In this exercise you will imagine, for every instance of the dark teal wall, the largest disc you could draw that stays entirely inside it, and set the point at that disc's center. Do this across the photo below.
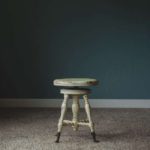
(108, 40)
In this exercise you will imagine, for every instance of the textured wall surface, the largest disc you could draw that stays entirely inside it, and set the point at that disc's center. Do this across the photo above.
(43, 40)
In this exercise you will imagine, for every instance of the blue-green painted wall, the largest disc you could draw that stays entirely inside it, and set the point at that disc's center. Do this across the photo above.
(105, 39)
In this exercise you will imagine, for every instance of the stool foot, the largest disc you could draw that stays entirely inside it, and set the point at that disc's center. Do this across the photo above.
(58, 137)
(94, 137)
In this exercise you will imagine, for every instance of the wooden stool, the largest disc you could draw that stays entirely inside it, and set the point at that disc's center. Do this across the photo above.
(74, 90)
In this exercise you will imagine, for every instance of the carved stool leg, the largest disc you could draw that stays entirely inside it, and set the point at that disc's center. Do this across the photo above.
(63, 111)
(88, 112)
(75, 111)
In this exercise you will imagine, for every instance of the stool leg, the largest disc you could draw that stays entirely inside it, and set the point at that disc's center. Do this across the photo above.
(75, 111)
(63, 111)
(88, 112)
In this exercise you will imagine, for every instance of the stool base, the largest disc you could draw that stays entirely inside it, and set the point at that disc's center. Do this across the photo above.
(75, 123)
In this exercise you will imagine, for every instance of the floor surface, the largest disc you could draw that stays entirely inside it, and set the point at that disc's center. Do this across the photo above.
(35, 129)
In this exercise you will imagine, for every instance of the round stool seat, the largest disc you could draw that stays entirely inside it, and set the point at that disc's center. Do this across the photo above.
(75, 82)
(75, 91)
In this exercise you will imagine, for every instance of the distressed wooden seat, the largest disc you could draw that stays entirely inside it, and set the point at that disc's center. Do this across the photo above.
(74, 89)
(75, 82)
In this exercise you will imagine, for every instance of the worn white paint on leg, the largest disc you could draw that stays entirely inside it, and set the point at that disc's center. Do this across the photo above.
(63, 111)
(88, 112)
(75, 111)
